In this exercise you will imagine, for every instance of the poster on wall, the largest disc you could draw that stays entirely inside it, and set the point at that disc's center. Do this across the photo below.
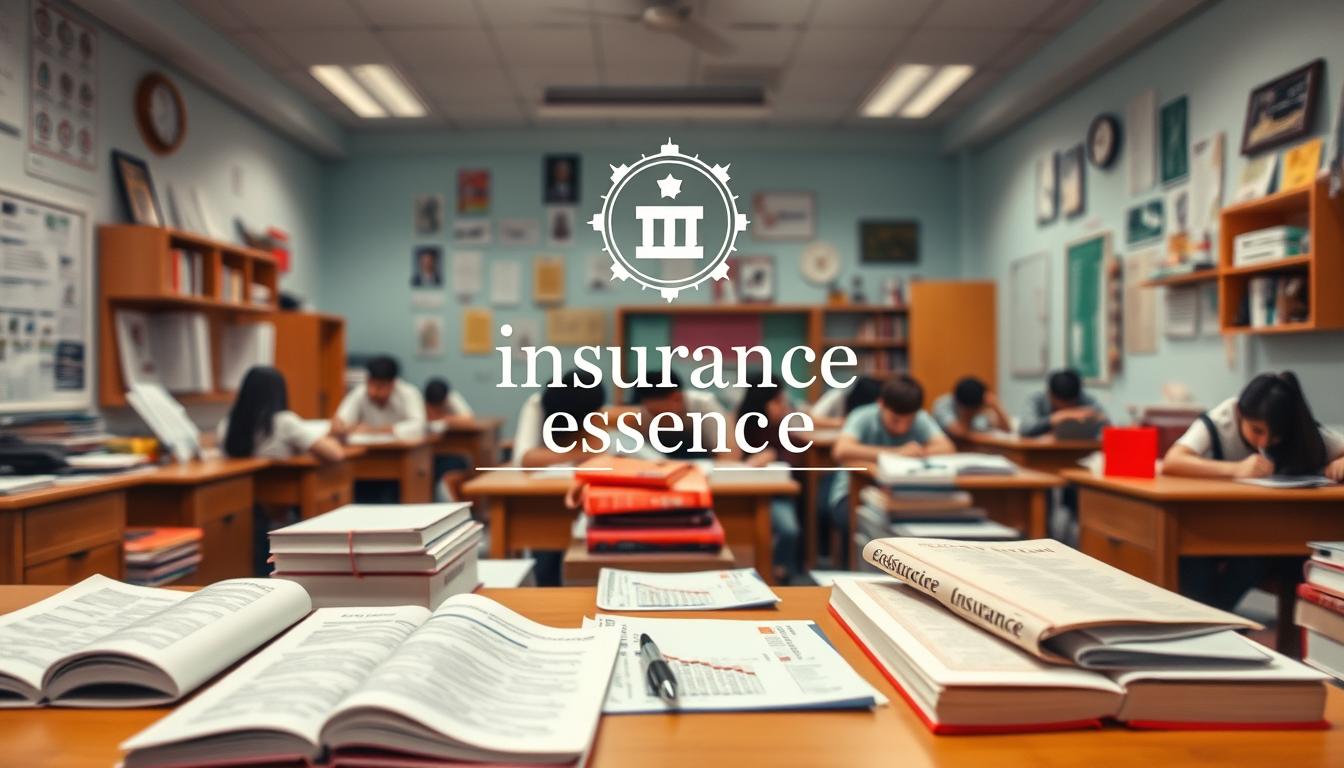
(560, 179)
(1140, 315)
(560, 225)
(1140, 125)
(1175, 140)
(1206, 194)
(1029, 323)
(428, 336)
(1087, 295)
(783, 215)
(62, 98)
(473, 191)
(427, 267)
(12, 38)
(428, 215)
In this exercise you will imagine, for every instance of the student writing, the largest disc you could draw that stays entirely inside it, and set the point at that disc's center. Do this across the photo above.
(763, 407)
(1063, 400)
(261, 424)
(383, 403)
(969, 407)
(680, 402)
(529, 449)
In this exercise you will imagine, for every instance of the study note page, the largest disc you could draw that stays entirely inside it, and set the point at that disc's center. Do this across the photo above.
(619, 590)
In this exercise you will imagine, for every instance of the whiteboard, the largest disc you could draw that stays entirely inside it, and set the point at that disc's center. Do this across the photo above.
(1029, 315)
(46, 306)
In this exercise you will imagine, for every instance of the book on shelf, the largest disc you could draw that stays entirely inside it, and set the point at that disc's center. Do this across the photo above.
(397, 686)
(188, 272)
(102, 643)
(10, 485)
(167, 419)
(1063, 606)
(1272, 300)
(960, 679)
(168, 348)
(241, 347)
(1269, 244)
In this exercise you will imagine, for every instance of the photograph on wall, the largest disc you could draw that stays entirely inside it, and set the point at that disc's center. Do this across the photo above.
(1047, 187)
(428, 215)
(468, 275)
(1145, 222)
(428, 336)
(560, 179)
(471, 231)
(1282, 109)
(783, 215)
(137, 190)
(520, 233)
(427, 266)
(889, 242)
(1301, 164)
(1257, 177)
(1337, 164)
(473, 190)
(1088, 333)
(755, 279)
(573, 327)
(599, 272)
(1175, 138)
(560, 225)
(1071, 182)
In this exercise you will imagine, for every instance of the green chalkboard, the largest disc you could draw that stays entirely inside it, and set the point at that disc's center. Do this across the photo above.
(1085, 333)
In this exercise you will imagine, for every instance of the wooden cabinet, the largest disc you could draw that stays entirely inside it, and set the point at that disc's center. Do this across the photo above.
(221, 508)
(66, 541)
(953, 333)
(310, 351)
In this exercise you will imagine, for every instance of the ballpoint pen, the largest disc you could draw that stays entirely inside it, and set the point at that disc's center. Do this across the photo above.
(657, 671)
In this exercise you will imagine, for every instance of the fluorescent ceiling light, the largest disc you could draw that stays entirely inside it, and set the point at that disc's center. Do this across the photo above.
(943, 84)
(388, 87)
(893, 92)
(343, 86)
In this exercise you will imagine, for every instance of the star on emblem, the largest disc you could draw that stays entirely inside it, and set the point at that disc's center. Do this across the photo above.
(669, 187)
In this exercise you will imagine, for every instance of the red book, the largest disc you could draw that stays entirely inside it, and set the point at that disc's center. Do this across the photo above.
(705, 539)
(1327, 600)
(138, 540)
(689, 491)
(630, 473)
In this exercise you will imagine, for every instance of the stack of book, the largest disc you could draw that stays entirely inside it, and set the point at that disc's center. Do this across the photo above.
(637, 506)
(158, 556)
(986, 637)
(188, 275)
(380, 554)
(1277, 299)
(925, 513)
(71, 432)
(1320, 608)
(1268, 245)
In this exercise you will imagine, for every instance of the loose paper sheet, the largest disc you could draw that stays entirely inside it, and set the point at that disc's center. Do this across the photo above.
(619, 590)
(1182, 312)
(548, 280)
(506, 277)
(1140, 316)
(1141, 124)
(477, 331)
(574, 327)
(467, 273)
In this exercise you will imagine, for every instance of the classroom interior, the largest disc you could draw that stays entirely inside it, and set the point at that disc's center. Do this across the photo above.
(1089, 238)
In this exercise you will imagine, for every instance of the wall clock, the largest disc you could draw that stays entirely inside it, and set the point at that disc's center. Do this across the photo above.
(820, 263)
(160, 114)
(1103, 140)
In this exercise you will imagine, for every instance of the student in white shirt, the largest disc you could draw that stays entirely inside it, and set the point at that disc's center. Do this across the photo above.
(680, 402)
(529, 450)
(446, 408)
(384, 403)
(835, 404)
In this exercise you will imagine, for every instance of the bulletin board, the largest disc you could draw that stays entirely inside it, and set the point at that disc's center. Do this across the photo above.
(1029, 322)
(46, 307)
(1087, 330)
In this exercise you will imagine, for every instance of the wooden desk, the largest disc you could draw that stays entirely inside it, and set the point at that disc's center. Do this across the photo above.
(65, 532)
(528, 511)
(215, 496)
(581, 567)
(479, 442)
(308, 483)
(408, 462)
(75, 738)
(1043, 454)
(1018, 500)
(1145, 526)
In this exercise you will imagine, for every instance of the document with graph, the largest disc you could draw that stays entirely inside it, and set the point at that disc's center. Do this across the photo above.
(619, 590)
(734, 666)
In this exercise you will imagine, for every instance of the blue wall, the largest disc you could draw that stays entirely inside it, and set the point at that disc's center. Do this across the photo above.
(1215, 58)
(368, 236)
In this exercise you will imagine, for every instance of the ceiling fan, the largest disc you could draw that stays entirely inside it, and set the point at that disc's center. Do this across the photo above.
(673, 17)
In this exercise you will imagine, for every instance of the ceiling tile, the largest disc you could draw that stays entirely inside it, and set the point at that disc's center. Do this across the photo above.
(756, 47)
(331, 46)
(989, 14)
(419, 13)
(870, 14)
(217, 14)
(547, 46)
(269, 54)
(955, 46)
(1063, 14)
(624, 44)
(815, 109)
(297, 14)
(780, 12)
(533, 81)
(830, 47)
(652, 72)
(834, 83)
(447, 48)
(523, 13)
(485, 84)
(1020, 49)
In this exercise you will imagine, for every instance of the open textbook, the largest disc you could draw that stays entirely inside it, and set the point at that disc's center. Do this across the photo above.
(619, 590)
(722, 665)
(961, 679)
(893, 468)
(102, 643)
(1061, 605)
(472, 681)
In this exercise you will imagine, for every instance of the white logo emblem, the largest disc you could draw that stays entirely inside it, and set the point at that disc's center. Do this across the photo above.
(671, 231)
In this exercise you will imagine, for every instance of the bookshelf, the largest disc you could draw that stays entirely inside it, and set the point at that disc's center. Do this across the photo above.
(878, 334)
(310, 351)
(155, 269)
(1322, 268)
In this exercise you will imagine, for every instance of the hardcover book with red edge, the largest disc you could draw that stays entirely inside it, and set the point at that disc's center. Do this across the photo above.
(1322, 597)
(630, 473)
(689, 491)
(706, 539)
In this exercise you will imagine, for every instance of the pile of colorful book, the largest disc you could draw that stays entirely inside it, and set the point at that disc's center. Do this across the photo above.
(158, 556)
(1320, 608)
(380, 554)
(639, 506)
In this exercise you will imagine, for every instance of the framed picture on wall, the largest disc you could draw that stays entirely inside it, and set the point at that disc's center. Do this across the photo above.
(1072, 190)
(1047, 187)
(889, 242)
(783, 215)
(1282, 109)
(137, 190)
(560, 179)
(473, 190)
(755, 279)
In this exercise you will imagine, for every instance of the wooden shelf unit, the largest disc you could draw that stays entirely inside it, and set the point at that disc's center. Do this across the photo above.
(1310, 206)
(1194, 278)
(135, 271)
(310, 351)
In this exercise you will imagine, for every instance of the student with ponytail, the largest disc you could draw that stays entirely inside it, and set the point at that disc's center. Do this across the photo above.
(1267, 430)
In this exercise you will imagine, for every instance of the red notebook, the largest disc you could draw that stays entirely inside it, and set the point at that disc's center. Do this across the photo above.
(706, 539)
(630, 473)
(689, 491)
(154, 539)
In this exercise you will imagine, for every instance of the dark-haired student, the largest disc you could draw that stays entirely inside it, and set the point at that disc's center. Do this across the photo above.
(763, 407)
(970, 407)
(575, 399)
(261, 424)
(445, 408)
(1267, 429)
(383, 403)
(679, 401)
(1062, 400)
(830, 410)
(898, 423)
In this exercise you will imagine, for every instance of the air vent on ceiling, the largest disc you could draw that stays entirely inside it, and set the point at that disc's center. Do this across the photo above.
(654, 102)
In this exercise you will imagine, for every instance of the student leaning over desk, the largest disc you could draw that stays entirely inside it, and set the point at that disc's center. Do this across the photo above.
(383, 403)
(765, 406)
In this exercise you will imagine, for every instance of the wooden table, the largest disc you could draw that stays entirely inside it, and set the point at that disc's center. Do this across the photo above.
(478, 441)
(408, 462)
(1145, 526)
(308, 483)
(814, 459)
(215, 496)
(886, 736)
(65, 532)
(527, 511)
(581, 567)
(1019, 500)
(1044, 453)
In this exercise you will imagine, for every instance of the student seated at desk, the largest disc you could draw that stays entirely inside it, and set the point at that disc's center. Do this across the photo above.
(261, 424)
(446, 408)
(765, 406)
(1268, 429)
(834, 405)
(970, 407)
(529, 448)
(680, 401)
(383, 403)
(897, 422)
(1064, 400)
